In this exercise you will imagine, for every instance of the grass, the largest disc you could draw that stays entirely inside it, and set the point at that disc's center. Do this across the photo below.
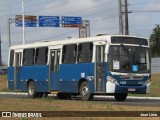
(155, 87)
(51, 104)
(23, 104)
(3, 83)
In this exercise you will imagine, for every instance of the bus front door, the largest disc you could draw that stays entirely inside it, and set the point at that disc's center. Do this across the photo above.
(17, 69)
(54, 70)
(99, 68)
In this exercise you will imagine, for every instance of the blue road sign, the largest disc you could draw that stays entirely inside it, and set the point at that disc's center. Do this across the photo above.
(71, 20)
(30, 21)
(49, 21)
(27, 24)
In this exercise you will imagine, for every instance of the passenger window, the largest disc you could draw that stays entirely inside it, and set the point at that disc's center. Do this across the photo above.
(69, 53)
(41, 56)
(28, 57)
(85, 51)
(11, 58)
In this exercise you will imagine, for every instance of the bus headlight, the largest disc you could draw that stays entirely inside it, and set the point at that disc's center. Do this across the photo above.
(112, 80)
(146, 82)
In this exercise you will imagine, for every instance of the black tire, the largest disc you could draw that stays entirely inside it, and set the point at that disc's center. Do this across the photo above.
(85, 92)
(31, 90)
(120, 96)
(63, 96)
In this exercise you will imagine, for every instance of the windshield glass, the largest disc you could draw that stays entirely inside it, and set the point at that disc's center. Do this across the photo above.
(129, 59)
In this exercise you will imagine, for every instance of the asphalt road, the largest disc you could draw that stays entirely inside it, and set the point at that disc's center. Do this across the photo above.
(131, 101)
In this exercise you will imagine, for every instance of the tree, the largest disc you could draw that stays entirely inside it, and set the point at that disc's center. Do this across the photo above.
(155, 41)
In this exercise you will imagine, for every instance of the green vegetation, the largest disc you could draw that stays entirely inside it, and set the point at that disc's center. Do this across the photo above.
(53, 104)
(3, 83)
(23, 104)
(155, 42)
(155, 87)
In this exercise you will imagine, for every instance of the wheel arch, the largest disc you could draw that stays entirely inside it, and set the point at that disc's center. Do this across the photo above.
(29, 81)
(80, 82)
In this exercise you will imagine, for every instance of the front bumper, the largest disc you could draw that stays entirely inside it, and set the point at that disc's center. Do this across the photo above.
(112, 88)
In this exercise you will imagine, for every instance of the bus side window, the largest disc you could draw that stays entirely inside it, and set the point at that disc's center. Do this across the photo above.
(28, 57)
(41, 56)
(85, 51)
(11, 58)
(69, 53)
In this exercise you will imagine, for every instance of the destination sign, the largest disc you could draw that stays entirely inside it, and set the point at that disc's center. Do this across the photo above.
(70, 21)
(49, 21)
(30, 21)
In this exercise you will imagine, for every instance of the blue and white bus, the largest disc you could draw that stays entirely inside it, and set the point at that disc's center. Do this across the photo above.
(102, 65)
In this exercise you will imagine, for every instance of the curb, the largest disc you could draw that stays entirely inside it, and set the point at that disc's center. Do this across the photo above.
(13, 93)
(132, 97)
(99, 96)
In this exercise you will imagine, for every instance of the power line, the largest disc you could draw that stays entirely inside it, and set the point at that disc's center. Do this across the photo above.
(91, 7)
(146, 11)
(80, 9)
(145, 3)
(19, 8)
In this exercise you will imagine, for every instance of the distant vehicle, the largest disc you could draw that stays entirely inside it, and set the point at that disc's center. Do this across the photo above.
(101, 65)
(3, 71)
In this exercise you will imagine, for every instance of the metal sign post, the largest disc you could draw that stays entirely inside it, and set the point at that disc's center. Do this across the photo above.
(84, 29)
(82, 32)
(23, 21)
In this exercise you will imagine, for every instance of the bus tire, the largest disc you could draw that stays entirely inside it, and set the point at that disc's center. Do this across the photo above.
(31, 90)
(120, 96)
(85, 92)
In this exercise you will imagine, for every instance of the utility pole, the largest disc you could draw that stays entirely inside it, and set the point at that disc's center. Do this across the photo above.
(120, 17)
(126, 18)
(123, 15)
(10, 21)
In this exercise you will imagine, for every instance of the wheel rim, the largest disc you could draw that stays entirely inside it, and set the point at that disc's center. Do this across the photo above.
(31, 90)
(84, 91)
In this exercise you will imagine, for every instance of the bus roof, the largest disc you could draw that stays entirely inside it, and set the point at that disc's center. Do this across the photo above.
(67, 41)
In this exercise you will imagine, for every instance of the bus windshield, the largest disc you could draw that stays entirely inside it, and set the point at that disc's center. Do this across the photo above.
(129, 59)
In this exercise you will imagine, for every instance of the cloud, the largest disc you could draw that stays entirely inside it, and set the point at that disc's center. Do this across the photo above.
(138, 19)
(152, 7)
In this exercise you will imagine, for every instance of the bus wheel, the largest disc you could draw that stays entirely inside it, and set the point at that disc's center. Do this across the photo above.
(120, 96)
(85, 92)
(31, 90)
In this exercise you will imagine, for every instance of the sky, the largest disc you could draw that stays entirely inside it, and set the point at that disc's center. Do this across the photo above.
(102, 14)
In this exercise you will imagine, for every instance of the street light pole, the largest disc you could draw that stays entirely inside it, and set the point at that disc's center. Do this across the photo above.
(10, 20)
(9, 32)
(23, 19)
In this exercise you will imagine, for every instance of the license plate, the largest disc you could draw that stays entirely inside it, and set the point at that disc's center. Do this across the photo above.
(131, 89)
